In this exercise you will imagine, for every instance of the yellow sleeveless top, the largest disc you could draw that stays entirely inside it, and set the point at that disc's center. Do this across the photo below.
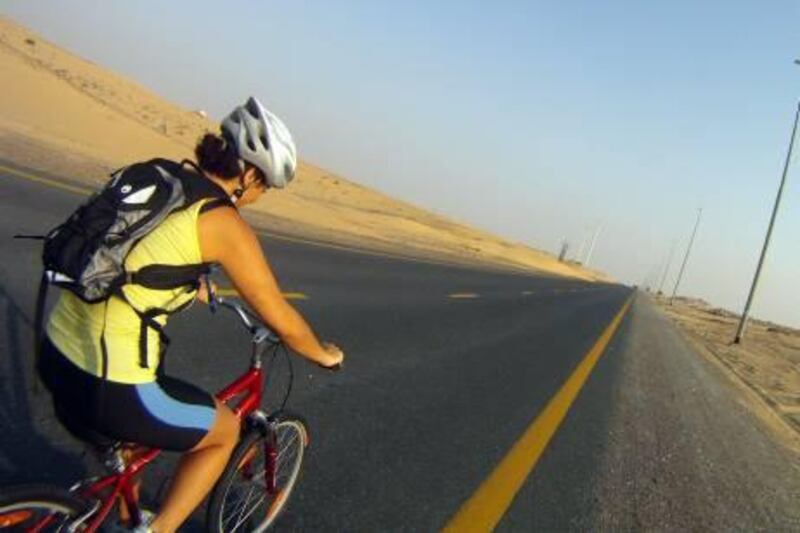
(79, 329)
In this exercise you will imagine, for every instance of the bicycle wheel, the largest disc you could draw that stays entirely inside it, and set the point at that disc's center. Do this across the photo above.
(241, 500)
(39, 508)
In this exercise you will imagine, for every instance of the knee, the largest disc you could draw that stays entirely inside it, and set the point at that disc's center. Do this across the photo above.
(225, 431)
(229, 426)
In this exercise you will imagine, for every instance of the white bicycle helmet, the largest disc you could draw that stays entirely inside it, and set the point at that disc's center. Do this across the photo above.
(263, 140)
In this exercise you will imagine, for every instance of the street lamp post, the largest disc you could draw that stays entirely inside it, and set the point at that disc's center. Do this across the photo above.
(591, 247)
(666, 268)
(743, 320)
(686, 257)
(579, 256)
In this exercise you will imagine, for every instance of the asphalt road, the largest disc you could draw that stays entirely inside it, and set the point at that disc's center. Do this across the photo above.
(436, 390)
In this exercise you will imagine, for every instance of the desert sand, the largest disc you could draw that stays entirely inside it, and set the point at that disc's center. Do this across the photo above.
(67, 116)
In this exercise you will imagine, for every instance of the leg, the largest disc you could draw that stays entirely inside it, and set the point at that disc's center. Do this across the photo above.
(136, 485)
(198, 470)
(124, 511)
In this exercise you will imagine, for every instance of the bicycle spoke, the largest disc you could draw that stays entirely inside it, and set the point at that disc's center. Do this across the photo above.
(291, 439)
(284, 464)
(257, 479)
(282, 437)
(248, 504)
(242, 509)
(288, 458)
(290, 434)
(227, 518)
(284, 448)
(252, 510)
(240, 505)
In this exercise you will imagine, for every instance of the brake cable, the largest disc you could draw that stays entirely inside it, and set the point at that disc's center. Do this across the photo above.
(271, 366)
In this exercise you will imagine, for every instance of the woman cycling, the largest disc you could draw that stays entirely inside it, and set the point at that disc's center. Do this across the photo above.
(91, 356)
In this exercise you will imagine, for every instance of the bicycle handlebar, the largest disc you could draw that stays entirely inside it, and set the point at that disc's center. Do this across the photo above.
(251, 322)
(255, 326)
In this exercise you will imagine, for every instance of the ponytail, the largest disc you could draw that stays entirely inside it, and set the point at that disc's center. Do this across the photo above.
(217, 156)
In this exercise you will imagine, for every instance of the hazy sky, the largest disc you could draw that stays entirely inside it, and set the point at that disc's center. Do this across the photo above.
(539, 121)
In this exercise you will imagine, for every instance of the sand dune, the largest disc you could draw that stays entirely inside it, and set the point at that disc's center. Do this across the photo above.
(62, 114)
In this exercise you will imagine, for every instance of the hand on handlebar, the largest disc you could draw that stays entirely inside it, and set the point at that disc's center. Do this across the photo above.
(335, 357)
(203, 293)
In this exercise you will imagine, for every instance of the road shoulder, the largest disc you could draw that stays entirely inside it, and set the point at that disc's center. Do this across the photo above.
(683, 450)
(753, 379)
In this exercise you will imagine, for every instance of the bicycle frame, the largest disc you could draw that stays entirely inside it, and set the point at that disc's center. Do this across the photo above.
(243, 396)
(248, 389)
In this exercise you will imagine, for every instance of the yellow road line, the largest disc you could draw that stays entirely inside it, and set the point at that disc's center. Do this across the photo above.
(46, 181)
(288, 295)
(295, 296)
(484, 509)
(463, 295)
(228, 292)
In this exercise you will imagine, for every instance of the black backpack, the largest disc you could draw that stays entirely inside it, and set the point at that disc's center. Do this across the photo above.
(86, 254)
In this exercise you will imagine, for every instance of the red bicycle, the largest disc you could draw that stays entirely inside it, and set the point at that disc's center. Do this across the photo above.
(249, 496)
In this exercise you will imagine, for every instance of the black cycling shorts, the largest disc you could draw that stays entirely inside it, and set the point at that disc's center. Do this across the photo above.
(169, 414)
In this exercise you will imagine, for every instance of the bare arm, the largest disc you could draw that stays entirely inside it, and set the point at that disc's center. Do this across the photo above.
(228, 240)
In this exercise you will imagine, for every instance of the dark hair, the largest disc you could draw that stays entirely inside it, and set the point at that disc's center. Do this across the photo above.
(218, 156)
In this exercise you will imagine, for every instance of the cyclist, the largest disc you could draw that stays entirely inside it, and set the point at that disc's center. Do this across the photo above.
(90, 360)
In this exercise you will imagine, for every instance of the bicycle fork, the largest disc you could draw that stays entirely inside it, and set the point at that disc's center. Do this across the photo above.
(268, 427)
(271, 454)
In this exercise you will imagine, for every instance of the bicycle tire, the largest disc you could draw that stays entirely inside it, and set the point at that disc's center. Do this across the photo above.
(248, 457)
(23, 507)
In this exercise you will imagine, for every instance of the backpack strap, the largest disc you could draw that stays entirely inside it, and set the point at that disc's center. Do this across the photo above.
(196, 183)
(38, 329)
(215, 203)
(159, 277)
(165, 277)
(148, 322)
(199, 186)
